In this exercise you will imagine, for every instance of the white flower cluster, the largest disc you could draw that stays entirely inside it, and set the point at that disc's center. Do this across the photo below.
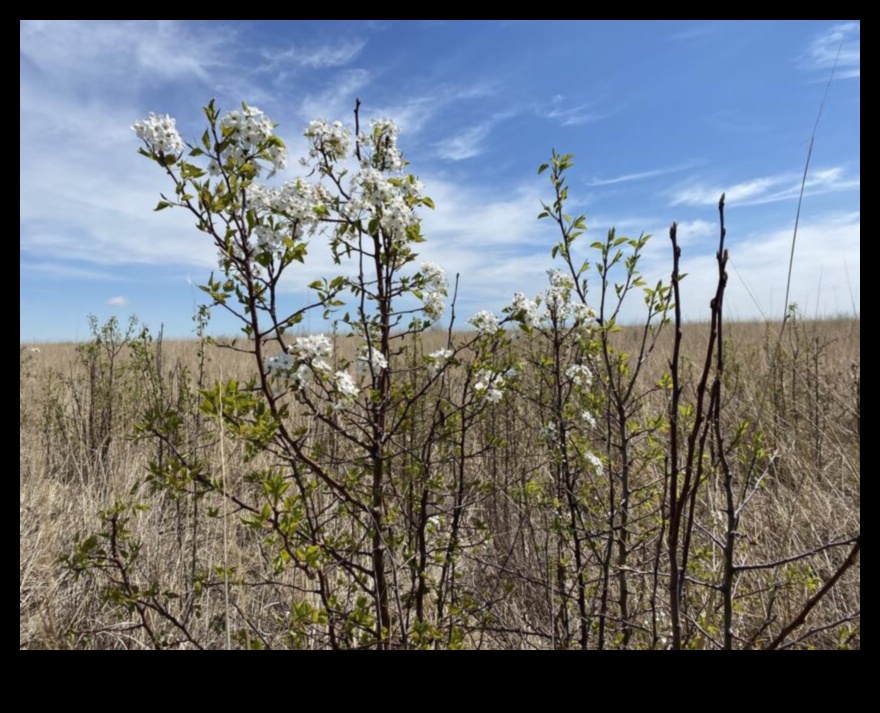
(249, 125)
(330, 140)
(371, 361)
(285, 368)
(557, 305)
(160, 134)
(440, 359)
(580, 375)
(436, 289)
(251, 129)
(314, 351)
(485, 323)
(596, 462)
(347, 389)
(524, 310)
(557, 298)
(390, 200)
(308, 356)
(584, 316)
(490, 385)
(550, 433)
(296, 206)
(379, 148)
(279, 365)
(296, 200)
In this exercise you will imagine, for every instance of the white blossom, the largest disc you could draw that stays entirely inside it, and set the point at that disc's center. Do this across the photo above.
(312, 348)
(596, 462)
(269, 239)
(550, 433)
(440, 359)
(250, 125)
(524, 310)
(434, 277)
(346, 387)
(375, 196)
(434, 305)
(557, 298)
(580, 375)
(485, 323)
(379, 148)
(330, 140)
(589, 419)
(279, 365)
(290, 211)
(490, 386)
(277, 156)
(584, 315)
(560, 280)
(284, 367)
(160, 134)
(251, 129)
(371, 361)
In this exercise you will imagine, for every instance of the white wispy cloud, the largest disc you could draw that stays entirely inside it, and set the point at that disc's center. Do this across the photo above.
(86, 198)
(466, 144)
(840, 44)
(471, 141)
(638, 176)
(338, 100)
(118, 302)
(692, 232)
(767, 189)
(560, 109)
(63, 271)
(695, 32)
(107, 50)
(416, 112)
(826, 270)
(84, 194)
(315, 56)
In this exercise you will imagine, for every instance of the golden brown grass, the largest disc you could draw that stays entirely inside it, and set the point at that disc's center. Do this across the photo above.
(804, 392)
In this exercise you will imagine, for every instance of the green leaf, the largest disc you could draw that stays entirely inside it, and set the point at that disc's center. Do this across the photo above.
(162, 206)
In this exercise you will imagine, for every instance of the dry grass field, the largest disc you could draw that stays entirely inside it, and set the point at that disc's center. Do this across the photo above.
(197, 575)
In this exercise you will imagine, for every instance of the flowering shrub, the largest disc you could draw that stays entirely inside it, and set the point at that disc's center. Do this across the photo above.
(394, 579)
(375, 476)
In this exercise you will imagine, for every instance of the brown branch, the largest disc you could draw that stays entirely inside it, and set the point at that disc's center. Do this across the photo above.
(796, 558)
(820, 595)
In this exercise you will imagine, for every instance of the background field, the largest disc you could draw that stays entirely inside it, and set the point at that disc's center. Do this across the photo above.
(78, 456)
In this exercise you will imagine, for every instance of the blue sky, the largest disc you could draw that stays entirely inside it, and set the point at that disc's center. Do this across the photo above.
(662, 116)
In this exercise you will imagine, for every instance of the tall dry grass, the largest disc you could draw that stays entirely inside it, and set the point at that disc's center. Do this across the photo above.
(78, 457)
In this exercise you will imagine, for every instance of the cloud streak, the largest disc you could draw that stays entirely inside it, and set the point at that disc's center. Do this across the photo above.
(101, 51)
(562, 111)
(839, 45)
(316, 56)
(467, 144)
(768, 189)
(639, 176)
(826, 271)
